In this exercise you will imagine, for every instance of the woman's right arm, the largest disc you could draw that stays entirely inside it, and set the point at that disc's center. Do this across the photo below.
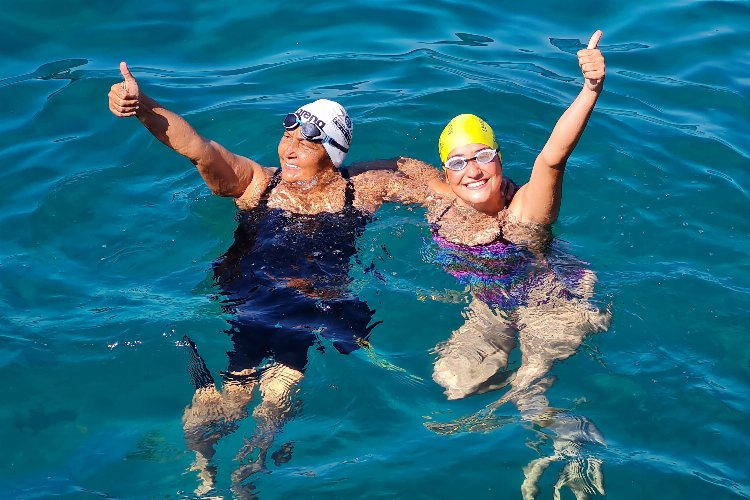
(224, 172)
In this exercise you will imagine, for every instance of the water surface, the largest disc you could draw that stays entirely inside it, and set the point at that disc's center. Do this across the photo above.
(108, 240)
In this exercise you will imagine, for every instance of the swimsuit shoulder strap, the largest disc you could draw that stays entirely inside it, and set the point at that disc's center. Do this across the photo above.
(349, 194)
(275, 179)
(445, 211)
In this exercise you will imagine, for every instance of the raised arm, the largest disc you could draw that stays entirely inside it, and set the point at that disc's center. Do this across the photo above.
(539, 200)
(225, 173)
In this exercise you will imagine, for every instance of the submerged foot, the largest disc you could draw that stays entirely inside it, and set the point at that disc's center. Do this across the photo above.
(283, 454)
(206, 475)
(241, 487)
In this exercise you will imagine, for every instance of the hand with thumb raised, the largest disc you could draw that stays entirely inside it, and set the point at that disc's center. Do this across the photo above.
(592, 64)
(124, 97)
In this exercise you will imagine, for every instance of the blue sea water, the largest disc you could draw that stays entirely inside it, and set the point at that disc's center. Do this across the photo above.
(108, 239)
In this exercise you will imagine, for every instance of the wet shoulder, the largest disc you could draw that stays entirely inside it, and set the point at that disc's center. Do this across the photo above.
(437, 206)
(252, 195)
(528, 234)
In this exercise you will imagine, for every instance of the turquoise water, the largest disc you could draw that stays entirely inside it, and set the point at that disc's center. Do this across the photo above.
(108, 240)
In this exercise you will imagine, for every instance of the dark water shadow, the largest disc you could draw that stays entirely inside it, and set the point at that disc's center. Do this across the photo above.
(49, 71)
(469, 39)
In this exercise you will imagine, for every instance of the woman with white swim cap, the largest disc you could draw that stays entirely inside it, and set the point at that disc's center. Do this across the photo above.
(287, 269)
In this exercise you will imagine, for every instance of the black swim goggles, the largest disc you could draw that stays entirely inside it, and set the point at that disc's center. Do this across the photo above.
(311, 131)
(483, 157)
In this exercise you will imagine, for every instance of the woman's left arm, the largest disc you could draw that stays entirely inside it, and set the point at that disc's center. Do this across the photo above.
(539, 200)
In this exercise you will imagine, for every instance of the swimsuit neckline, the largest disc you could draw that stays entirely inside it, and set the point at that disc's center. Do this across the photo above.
(348, 193)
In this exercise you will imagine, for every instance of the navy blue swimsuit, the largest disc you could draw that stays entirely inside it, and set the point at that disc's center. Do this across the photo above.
(285, 279)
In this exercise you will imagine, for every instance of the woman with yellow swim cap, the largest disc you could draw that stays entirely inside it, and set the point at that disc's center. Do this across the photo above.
(471, 190)
(520, 293)
(470, 211)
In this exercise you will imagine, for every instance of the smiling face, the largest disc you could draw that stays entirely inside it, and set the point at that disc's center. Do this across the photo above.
(477, 185)
(300, 159)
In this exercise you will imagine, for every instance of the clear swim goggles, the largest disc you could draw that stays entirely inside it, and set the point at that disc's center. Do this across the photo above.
(311, 131)
(483, 157)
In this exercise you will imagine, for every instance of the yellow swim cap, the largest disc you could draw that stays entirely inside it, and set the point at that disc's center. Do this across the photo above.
(465, 129)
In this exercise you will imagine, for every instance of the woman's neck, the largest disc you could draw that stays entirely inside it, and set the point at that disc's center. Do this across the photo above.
(491, 207)
(321, 182)
(325, 192)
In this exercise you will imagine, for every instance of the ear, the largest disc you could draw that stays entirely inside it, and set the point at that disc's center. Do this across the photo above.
(325, 162)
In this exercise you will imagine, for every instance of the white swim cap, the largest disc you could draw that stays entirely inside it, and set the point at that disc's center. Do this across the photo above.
(334, 121)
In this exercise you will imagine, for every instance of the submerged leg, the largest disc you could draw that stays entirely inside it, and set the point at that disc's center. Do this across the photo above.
(211, 415)
(552, 327)
(277, 387)
(472, 360)
(532, 473)
(583, 477)
(197, 414)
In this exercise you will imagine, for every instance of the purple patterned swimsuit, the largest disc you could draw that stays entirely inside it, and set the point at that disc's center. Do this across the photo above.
(502, 273)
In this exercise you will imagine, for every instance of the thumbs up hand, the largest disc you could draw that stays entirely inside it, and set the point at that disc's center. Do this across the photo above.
(592, 64)
(124, 97)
